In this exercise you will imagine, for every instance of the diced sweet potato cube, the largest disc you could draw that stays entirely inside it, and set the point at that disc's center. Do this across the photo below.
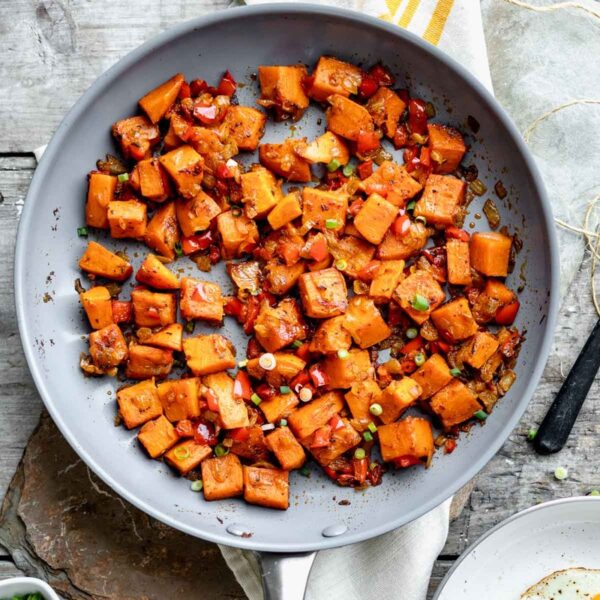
(320, 207)
(287, 366)
(147, 361)
(245, 125)
(201, 300)
(347, 118)
(222, 477)
(334, 76)
(458, 262)
(98, 306)
(395, 247)
(127, 219)
(497, 290)
(283, 160)
(136, 136)
(454, 320)
(359, 399)
(266, 487)
(162, 233)
(238, 233)
(180, 398)
(315, 414)
(187, 455)
(208, 354)
(392, 177)
(342, 439)
(279, 326)
(479, 349)
(158, 436)
(139, 403)
(169, 337)
(260, 192)
(153, 309)
(186, 168)
(286, 210)
(99, 261)
(441, 199)
(344, 372)
(374, 218)
(432, 376)
(157, 102)
(101, 191)
(355, 252)
(388, 275)
(454, 404)
(282, 89)
(386, 107)
(324, 149)
(447, 147)
(154, 183)
(419, 283)
(232, 410)
(365, 323)
(331, 336)
(490, 253)
(154, 273)
(195, 214)
(397, 397)
(286, 448)
(253, 447)
(410, 438)
(323, 293)
(108, 347)
(279, 406)
(215, 147)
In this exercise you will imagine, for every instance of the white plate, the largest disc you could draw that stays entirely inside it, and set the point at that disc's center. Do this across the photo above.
(26, 585)
(520, 551)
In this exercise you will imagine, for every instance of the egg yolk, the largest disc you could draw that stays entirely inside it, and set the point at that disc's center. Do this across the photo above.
(596, 597)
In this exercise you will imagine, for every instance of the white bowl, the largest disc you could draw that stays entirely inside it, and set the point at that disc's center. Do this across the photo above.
(26, 585)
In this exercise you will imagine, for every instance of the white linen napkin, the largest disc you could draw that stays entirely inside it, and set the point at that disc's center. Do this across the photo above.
(387, 566)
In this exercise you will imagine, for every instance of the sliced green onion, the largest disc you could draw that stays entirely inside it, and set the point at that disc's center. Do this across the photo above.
(561, 473)
(372, 427)
(341, 264)
(178, 249)
(123, 177)
(220, 450)
(359, 454)
(455, 372)
(481, 415)
(594, 493)
(331, 223)
(419, 359)
(243, 363)
(304, 472)
(421, 219)
(283, 423)
(367, 436)
(375, 409)
(189, 326)
(296, 344)
(82, 231)
(334, 165)
(181, 453)
(348, 170)
(256, 399)
(412, 333)
(531, 434)
(197, 485)
(410, 205)
(285, 389)
(343, 354)
(420, 303)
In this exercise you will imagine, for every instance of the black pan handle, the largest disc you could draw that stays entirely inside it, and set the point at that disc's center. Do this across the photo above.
(556, 426)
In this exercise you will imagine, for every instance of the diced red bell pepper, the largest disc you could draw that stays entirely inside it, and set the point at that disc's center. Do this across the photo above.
(336, 422)
(449, 446)
(411, 158)
(222, 172)
(197, 242)
(367, 273)
(401, 226)
(242, 388)
(318, 250)
(401, 137)
(136, 152)
(321, 437)
(413, 345)
(299, 381)
(254, 349)
(122, 311)
(368, 86)
(506, 315)
(241, 434)
(375, 475)
(303, 351)
(227, 86)
(318, 376)
(252, 310)
(214, 254)
(208, 115)
(211, 400)
(438, 345)
(330, 473)
(367, 142)
(270, 298)
(365, 169)
(355, 207)
(404, 462)
(457, 234)
(204, 433)
(417, 116)
(404, 95)
(395, 315)
(307, 82)
(361, 467)
(382, 75)
(184, 91)
(197, 86)
(265, 391)
(233, 307)
(425, 156)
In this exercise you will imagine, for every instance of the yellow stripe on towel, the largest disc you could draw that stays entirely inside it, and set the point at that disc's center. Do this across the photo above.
(434, 30)
(409, 13)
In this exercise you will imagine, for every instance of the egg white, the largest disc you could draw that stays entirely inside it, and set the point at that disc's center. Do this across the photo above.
(570, 584)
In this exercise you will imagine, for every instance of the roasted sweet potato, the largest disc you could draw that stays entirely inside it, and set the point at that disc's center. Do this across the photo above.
(324, 210)
(153, 309)
(490, 253)
(146, 361)
(324, 149)
(180, 398)
(347, 118)
(186, 168)
(282, 90)
(136, 136)
(364, 322)
(195, 214)
(260, 192)
(245, 125)
(410, 438)
(419, 283)
(447, 147)
(287, 366)
(127, 219)
(157, 102)
(334, 76)
(375, 217)
(479, 349)
(222, 477)
(154, 273)
(441, 200)
(187, 455)
(343, 438)
(359, 399)
(399, 395)
(315, 414)
(266, 487)
(201, 300)
(162, 233)
(279, 406)
(386, 107)
(351, 254)
(206, 354)
(101, 191)
(458, 262)
(388, 275)
(454, 404)
(139, 403)
(392, 181)
(169, 337)
(154, 183)
(286, 210)
(98, 306)
(283, 160)
(238, 233)
(331, 336)
(157, 436)
(344, 372)
(97, 260)
(454, 320)
(253, 447)
(286, 448)
(232, 410)
(281, 278)
(396, 247)
(323, 293)
(279, 326)
(108, 347)
(432, 376)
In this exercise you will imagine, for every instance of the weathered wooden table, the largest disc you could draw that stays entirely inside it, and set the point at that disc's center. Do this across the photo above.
(50, 52)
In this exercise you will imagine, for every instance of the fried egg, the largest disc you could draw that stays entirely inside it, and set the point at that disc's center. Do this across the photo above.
(570, 584)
